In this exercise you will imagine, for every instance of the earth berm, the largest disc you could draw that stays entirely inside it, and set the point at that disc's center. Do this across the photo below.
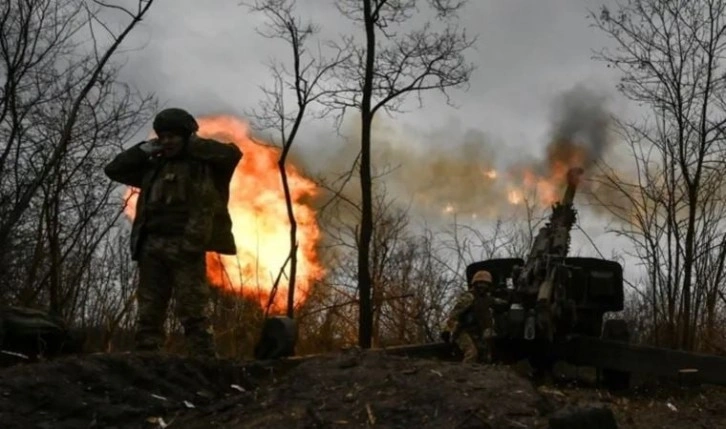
(350, 390)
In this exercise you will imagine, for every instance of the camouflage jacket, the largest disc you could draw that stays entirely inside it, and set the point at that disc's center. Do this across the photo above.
(471, 314)
(186, 195)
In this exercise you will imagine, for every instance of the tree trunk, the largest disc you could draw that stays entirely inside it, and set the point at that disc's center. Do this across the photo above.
(687, 343)
(365, 316)
(54, 280)
(293, 238)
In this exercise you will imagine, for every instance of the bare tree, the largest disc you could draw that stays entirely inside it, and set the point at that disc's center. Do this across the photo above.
(671, 58)
(108, 312)
(379, 75)
(35, 35)
(415, 271)
(304, 81)
(62, 113)
(411, 281)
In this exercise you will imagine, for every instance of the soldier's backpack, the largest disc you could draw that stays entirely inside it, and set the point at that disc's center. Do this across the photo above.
(30, 334)
(278, 338)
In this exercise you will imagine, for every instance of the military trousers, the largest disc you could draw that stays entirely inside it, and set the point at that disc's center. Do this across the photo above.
(166, 270)
(474, 348)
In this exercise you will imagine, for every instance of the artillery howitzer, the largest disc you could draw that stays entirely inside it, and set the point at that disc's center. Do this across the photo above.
(552, 307)
(547, 298)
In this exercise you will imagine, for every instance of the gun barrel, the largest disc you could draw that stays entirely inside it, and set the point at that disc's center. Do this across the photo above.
(573, 179)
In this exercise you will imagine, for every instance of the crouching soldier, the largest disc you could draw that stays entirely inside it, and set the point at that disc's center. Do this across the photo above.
(470, 324)
(181, 213)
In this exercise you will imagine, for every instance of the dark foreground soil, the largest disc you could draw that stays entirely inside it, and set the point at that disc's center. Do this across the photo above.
(352, 390)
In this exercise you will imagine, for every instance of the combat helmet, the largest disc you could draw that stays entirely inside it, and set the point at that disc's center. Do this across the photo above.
(481, 276)
(175, 120)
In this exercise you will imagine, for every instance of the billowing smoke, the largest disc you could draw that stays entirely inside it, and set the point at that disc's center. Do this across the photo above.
(580, 127)
(579, 137)
(433, 173)
(458, 173)
(451, 170)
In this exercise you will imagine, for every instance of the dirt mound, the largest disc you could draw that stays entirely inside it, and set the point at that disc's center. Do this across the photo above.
(388, 392)
(347, 391)
(654, 406)
(113, 391)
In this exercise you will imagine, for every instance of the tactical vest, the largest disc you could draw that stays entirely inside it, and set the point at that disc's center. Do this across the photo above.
(170, 196)
(478, 317)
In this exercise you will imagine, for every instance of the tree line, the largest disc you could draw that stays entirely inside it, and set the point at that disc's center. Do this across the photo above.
(64, 112)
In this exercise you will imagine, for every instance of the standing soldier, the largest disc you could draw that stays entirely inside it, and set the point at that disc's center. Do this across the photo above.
(470, 323)
(181, 213)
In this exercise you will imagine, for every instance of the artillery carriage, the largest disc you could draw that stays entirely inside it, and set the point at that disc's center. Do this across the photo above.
(549, 297)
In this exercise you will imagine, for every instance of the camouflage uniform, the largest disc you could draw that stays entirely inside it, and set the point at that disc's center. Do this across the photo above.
(181, 213)
(470, 323)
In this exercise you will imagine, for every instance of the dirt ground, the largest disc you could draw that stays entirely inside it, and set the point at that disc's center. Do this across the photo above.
(351, 390)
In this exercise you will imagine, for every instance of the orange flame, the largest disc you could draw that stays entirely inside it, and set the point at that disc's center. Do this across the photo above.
(491, 174)
(259, 221)
(548, 186)
(515, 196)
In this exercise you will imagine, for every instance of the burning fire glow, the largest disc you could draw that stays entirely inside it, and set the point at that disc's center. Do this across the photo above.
(548, 186)
(515, 196)
(259, 221)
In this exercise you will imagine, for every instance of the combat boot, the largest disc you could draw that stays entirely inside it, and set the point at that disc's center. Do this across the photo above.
(148, 342)
(196, 349)
(486, 346)
(201, 344)
(200, 339)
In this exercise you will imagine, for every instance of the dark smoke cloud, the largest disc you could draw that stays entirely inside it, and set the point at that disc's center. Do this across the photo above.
(448, 167)
(580, 136)
(581, 123)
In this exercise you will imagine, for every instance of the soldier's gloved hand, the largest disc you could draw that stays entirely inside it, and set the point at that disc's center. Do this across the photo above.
(446, 336)
(151, 147)
(499, 302)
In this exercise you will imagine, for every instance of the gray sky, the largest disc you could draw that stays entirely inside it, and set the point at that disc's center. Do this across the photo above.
(207, 57)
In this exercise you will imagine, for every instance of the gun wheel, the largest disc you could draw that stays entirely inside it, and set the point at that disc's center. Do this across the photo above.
(615, 330)
(541, 360)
